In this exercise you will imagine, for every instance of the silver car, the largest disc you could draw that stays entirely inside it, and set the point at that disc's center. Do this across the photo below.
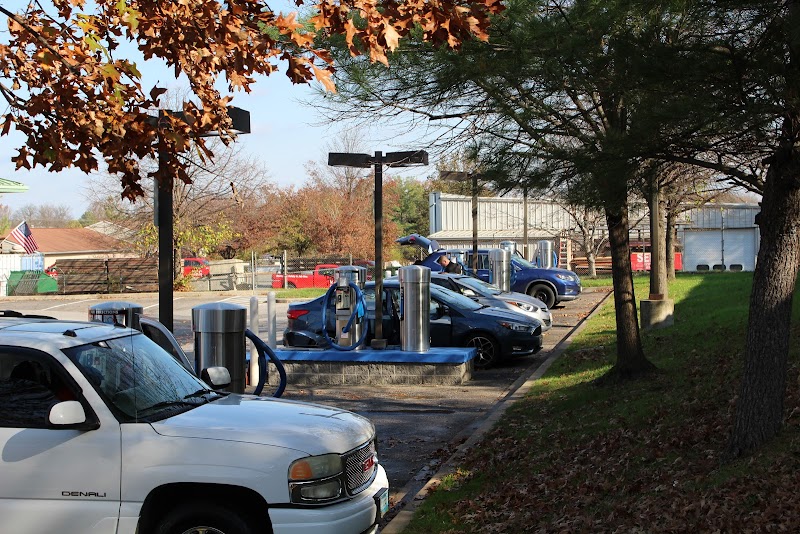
(486, 293)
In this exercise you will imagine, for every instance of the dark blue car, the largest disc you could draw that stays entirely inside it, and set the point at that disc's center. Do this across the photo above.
(551, 286)
(456, 321)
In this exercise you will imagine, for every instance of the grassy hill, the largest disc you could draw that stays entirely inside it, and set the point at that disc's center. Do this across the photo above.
(642, 457)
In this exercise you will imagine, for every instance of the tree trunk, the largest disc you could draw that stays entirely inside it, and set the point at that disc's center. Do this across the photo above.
(759, 408)
(658, 256)
(177, 267)
(631, 361)
(670, 238)
(588, 246)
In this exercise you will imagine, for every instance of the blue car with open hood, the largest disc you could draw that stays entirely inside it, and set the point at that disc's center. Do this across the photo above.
(552, 286)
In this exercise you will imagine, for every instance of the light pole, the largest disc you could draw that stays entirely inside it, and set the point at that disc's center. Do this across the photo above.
(460, 176)
(163, 212)
(390, 159)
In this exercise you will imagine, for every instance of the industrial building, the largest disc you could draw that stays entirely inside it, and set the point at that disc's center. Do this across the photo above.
(714, 236)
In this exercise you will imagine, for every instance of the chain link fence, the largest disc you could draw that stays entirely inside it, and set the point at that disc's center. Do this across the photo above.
(119, 276)
(268, 272)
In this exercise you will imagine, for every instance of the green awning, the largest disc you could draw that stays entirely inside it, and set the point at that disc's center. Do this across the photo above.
(9, 186)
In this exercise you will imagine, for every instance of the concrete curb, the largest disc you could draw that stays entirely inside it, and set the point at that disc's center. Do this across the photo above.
(516, 391)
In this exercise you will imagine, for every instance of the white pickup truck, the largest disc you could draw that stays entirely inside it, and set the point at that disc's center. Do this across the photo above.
(102, 430)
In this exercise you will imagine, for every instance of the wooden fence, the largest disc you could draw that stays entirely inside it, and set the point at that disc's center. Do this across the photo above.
(118, 275)
(580, 265)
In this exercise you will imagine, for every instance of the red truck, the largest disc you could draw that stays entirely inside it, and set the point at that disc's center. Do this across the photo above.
(321, 276)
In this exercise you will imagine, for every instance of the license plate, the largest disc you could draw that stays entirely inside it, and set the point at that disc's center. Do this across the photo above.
(382, 503)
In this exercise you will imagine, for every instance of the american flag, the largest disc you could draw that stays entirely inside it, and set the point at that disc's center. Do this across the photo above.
(22, 235)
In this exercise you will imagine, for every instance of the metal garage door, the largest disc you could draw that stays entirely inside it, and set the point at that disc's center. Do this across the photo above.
(735, 247)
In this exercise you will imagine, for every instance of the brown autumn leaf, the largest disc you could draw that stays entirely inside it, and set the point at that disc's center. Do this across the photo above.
(324, 77)
(66, 63)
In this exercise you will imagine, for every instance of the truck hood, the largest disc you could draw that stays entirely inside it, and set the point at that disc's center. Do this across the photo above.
(310, 428)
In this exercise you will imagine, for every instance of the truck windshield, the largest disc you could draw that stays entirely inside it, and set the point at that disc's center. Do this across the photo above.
(138, 379)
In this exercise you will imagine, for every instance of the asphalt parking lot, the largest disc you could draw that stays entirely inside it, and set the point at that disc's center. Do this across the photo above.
(419, 427)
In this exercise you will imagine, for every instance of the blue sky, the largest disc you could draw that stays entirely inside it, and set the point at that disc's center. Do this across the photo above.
(283, 138)
(285, 135)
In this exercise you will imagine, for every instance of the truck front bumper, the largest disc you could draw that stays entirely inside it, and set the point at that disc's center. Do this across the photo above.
(359, 514)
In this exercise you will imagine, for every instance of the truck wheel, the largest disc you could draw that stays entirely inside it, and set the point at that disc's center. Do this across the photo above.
(488, 350)
(290, 285)
(543, 293)
(205, 518)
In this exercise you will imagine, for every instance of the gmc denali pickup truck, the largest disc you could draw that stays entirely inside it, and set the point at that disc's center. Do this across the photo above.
(102, 430)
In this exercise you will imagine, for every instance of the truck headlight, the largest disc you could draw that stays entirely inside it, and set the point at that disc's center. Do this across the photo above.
(315, 467)
(316, 479)
(321, 492)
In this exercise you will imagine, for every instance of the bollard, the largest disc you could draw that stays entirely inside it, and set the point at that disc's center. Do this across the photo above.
(500, 264)
(117, 312)
(219, 339)
(545, 255)
(415, 308)
(253, 352)
(272, 320)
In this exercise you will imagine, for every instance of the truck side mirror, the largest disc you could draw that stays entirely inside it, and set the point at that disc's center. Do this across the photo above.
(216, 377)
(70, 415)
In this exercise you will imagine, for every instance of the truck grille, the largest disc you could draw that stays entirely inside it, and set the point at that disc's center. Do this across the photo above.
(360, 467)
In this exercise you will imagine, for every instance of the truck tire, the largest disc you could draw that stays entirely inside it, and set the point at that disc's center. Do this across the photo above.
(290, 285)
(544, 293)
(205, 518)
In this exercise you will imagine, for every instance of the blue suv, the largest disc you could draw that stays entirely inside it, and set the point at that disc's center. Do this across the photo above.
(551, 286)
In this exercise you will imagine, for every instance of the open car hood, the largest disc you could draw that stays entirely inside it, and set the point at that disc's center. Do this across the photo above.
(428, 245)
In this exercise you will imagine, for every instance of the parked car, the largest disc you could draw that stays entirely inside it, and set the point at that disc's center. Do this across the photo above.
(485, 293)
(196, 267)
(52, 271)
(552, 286)
(321, 276)
(102, 430)
(455, 321)
(369, 265)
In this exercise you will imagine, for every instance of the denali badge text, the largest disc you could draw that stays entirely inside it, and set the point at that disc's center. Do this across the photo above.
(82, 494)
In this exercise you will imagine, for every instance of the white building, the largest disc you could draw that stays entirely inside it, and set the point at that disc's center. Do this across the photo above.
(709, 236)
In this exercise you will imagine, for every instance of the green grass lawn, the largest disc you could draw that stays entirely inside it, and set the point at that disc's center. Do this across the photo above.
(645, 456)
(300, 293)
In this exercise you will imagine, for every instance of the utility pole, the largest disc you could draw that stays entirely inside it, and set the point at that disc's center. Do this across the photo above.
(391, 159)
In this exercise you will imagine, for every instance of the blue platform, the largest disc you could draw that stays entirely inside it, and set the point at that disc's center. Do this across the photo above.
(445, 355)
